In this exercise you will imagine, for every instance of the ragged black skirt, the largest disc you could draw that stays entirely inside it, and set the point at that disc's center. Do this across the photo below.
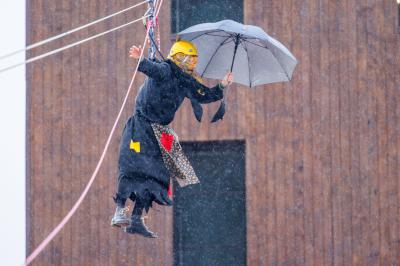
(150, 155)
(144, 188)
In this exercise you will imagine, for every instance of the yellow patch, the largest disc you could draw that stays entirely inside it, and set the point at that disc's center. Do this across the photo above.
(135, 145)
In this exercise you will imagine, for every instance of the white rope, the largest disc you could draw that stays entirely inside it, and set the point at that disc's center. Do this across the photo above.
(70, 45)
(69, 32)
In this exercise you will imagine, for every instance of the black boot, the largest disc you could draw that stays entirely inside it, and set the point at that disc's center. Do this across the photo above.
(120, 218)
(137, 226)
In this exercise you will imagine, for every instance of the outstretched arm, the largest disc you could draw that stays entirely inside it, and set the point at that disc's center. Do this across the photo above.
(207, 95)
(153, 69)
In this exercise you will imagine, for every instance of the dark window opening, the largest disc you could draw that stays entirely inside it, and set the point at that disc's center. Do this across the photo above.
(210, 217)
(186, 13)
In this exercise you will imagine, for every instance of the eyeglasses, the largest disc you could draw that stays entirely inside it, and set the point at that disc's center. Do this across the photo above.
(191, 59)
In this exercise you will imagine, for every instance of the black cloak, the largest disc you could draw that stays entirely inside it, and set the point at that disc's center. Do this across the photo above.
(157, 101)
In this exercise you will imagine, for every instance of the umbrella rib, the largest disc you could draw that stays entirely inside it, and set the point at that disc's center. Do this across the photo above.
(248, 59)
(216, 50)
(284, 71)
(217, 35)
(256, 44)
(204, 34)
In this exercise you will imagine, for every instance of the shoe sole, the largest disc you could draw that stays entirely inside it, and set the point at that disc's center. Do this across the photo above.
(120, 224)
(133, 233)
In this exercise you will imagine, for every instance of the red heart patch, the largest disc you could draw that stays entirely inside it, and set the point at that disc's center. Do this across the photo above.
(167, 140)
(170, 190)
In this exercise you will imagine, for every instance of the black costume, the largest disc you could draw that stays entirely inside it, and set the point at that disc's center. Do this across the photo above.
(143, 175)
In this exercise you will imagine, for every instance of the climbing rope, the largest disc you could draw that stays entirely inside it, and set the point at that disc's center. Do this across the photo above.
(58, 228)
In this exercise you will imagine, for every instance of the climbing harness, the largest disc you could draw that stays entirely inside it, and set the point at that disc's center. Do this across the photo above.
(151, 23)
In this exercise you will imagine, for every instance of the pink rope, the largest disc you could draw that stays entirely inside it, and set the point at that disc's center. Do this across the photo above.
(56, 230)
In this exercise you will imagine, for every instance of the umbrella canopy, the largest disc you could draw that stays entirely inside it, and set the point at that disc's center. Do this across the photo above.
(252, 55)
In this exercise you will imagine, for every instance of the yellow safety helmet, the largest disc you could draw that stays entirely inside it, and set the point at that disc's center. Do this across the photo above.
(184, 47)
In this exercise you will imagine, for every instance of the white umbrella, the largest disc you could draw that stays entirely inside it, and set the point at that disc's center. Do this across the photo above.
(254, 57)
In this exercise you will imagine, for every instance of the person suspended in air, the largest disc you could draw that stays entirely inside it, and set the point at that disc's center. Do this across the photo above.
(150, 153)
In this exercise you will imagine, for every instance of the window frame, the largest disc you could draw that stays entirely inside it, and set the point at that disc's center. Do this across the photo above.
(175, 4)
(398, 15)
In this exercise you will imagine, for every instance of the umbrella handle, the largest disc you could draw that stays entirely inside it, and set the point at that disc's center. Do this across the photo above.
(222, 108)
